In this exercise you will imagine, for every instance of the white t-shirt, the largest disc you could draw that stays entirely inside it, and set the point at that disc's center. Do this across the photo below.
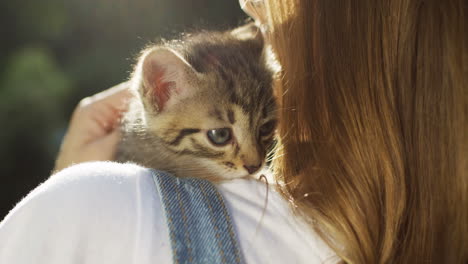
(107, 212)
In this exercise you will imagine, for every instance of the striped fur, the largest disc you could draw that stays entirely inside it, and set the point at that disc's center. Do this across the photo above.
(233, 89)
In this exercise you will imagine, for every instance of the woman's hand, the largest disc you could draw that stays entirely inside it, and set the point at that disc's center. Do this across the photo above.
(93, 131)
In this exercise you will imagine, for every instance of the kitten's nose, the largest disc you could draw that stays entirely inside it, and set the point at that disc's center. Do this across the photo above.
(252, 168)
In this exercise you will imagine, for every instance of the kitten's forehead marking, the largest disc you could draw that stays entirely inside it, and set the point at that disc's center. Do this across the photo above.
(216, 113)
(240, 75)
(253, 96)
(231, 117)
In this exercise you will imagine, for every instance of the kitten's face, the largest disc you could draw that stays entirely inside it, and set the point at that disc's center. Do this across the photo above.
(211, 103)
(211, 133)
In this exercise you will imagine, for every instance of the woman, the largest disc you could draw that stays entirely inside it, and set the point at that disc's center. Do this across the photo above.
(372, 152)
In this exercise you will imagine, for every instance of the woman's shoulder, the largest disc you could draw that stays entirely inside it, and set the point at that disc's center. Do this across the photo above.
(263, 219)
(91, 188)
(116, 208)
(268, 229)
(100, 210)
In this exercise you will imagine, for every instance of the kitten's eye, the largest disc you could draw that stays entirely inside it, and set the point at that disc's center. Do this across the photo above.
(267, 128)
(220, 136)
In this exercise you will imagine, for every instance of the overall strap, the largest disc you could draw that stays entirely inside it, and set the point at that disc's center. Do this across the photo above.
(200, 227)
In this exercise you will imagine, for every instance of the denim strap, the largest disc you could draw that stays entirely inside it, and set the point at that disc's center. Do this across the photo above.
(200, 227)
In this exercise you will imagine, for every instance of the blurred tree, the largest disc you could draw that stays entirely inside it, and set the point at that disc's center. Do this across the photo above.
(54, 52)
(32, 97)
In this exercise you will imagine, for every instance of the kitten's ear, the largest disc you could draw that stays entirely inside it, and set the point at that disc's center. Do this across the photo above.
(249, 33)
(166, 77)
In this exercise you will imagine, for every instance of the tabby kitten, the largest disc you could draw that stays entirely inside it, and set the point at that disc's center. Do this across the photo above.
(204, 106)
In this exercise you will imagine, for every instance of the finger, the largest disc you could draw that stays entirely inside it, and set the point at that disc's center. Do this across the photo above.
(102, 112)
(107, 114)
(116, 95)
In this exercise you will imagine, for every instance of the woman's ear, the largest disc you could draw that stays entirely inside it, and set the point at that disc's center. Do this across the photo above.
(166, 78)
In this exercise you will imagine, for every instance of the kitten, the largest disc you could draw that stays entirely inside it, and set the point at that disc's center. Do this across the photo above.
(204, 106)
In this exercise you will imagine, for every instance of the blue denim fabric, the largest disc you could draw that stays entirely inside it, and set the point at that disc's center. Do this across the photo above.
(200, 226)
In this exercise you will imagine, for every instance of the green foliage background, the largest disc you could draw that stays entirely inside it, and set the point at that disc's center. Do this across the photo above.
(55, 52)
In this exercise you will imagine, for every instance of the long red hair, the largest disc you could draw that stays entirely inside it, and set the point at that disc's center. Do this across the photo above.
(373, 125)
